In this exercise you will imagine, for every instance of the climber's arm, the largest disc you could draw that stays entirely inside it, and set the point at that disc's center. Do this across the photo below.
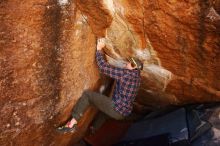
(105, 67)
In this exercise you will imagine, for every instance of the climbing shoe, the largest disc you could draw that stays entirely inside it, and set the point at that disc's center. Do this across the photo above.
(65, 129)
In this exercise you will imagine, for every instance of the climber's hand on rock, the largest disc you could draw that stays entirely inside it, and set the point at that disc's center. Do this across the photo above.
(100, 43)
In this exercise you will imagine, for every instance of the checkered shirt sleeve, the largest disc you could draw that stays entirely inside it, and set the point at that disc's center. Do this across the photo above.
(106, 68)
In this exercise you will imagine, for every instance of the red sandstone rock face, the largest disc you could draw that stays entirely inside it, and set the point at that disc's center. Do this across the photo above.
(47, 57)
(186, 37)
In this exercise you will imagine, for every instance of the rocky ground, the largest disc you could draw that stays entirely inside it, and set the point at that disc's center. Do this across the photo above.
(211, 137)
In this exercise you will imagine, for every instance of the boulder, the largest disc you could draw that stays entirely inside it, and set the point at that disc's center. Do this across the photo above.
(47, 58)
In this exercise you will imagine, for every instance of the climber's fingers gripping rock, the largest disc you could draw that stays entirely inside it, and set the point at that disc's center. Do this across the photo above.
(100, 43)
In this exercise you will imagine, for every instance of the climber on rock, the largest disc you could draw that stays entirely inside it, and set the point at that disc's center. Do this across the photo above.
(121, 104)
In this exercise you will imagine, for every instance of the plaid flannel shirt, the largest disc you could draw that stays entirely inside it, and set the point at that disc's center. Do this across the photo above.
(127, 84)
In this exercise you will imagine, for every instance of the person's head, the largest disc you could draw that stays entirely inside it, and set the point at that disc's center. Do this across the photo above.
(134, 63)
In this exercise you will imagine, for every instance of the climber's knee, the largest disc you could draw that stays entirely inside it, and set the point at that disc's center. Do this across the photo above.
(86, 93)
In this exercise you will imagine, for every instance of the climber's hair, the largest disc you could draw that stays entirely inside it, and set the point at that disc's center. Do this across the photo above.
(136, 63)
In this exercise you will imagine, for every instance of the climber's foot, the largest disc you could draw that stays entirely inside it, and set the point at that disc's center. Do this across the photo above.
(70, 126)
(64, 129)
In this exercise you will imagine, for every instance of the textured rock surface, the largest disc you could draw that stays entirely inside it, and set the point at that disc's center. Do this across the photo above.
(48, 47)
